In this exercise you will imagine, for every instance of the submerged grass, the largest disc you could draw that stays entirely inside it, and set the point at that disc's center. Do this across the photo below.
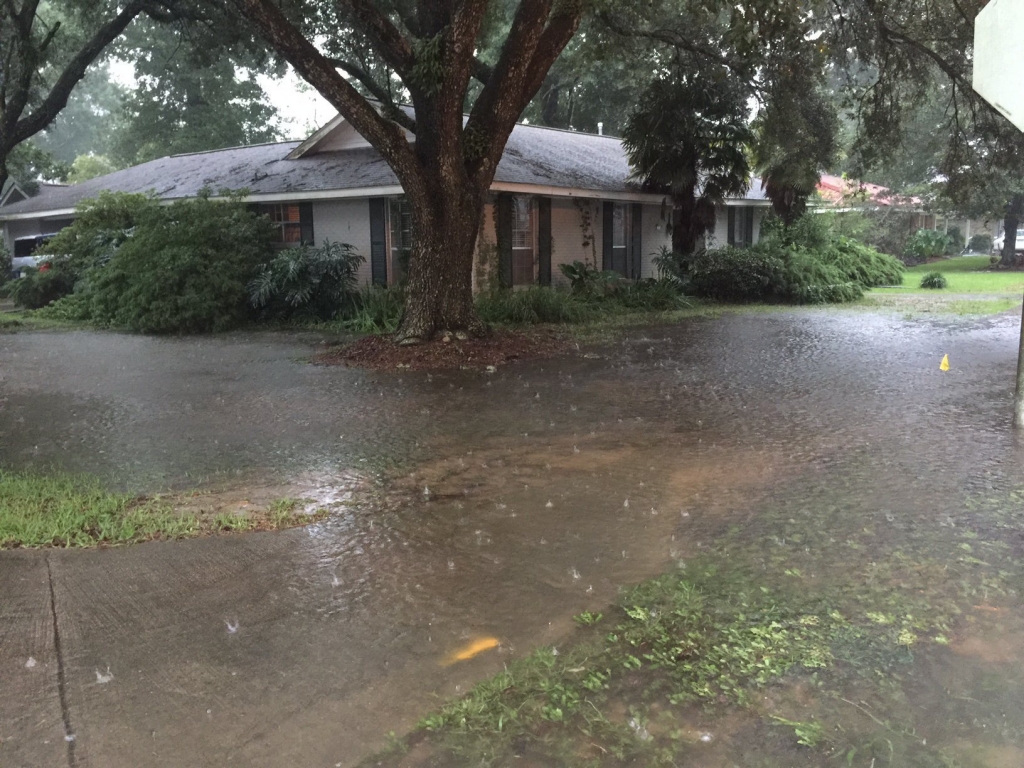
(835, 604)
(63, 510)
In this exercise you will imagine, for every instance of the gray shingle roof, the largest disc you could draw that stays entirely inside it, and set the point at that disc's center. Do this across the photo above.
(533, 155)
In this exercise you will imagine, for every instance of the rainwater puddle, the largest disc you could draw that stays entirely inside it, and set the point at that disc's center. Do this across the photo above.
(824, 444)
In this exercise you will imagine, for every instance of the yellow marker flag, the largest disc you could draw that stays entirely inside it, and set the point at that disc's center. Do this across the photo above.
(944, 365)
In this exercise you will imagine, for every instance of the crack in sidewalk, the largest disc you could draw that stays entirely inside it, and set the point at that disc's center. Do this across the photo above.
(69, 734)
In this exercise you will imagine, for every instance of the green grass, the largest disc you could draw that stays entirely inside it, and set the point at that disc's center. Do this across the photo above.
(73, 511)
(63, 510)
(965, 274)
(810, 624)
(28, 321)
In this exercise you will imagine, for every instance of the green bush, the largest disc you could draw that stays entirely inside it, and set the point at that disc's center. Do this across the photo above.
(660, 295)
(863, 264)
(926, 244)
(589, 282)
(532, 306)
(736, 274)
(980, 244)
(807, 279)
(38, 287)
(809, 262)
(5, 263)
(73, 308)
(183, 269)
(956, 240)
(935, 280)
(376, 310)
(101, 226)
(304, 282)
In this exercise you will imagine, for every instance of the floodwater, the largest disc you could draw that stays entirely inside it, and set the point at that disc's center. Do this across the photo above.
(503, 504)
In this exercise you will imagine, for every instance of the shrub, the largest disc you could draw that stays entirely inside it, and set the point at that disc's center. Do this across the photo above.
(317, 283)
(808, 262)
(101, 226)
(935, 280)
(956, 239)
(38, 287)
(586, 281)
(376, 310)
(183, 269)
(532, 306)
(74, 307)
(980, 244)
(806, 279)
(5, 263)
(736, 274)
(864, 264)
(926, 244)
(652, 295)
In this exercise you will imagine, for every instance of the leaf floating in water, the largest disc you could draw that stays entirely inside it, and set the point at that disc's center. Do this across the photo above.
(471, 650)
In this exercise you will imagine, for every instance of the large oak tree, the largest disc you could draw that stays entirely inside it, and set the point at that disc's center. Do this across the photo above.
(426, 51)
(45, 50)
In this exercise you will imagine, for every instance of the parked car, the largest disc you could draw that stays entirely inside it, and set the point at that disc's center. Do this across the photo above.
(27, 253)
(1018, 247)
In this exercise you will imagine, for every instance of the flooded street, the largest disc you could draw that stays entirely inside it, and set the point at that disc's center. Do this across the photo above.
(814, 446)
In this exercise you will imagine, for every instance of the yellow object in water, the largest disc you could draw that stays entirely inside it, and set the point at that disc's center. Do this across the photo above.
(472, 649)
(944, 365)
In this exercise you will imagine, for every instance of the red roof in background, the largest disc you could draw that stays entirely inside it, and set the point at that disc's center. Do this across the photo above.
(837, 190)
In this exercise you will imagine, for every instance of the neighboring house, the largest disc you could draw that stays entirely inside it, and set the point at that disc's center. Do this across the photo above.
(845, 194)
(561, 196)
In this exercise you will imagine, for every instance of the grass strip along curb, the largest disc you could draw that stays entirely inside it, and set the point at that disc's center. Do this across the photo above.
(63, 510)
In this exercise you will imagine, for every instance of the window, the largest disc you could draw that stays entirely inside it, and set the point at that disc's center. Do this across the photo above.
(522, 241)
(400, 220)
(293, 222)
(741, 226)
(619, 226)
(401, 225)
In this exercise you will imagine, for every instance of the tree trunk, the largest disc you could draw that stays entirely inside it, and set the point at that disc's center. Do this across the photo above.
(439, 290)
(1014, 210)
(692, 218)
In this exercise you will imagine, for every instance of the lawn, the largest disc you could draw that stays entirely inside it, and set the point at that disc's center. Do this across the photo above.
(965, 274)
(78, 511)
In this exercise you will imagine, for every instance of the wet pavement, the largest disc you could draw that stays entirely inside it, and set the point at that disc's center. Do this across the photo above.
(507, 503)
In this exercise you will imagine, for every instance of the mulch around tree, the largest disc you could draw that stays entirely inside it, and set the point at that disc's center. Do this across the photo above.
(380, 353)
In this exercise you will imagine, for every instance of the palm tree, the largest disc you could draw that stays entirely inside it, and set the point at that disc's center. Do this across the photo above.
(688, 138)
(796, 142)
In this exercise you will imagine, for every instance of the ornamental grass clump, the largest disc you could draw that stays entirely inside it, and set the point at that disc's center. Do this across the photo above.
(934, 280)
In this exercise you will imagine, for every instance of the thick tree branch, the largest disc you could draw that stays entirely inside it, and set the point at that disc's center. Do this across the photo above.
(388, 40)
(57, 98)
(385, 135)
(538, 35)
(379, 92)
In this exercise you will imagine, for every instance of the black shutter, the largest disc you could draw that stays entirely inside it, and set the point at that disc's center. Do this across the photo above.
(306, 223)
(608, 225)
(732, 226)
(378, 241)
(503, 228)
(748, 226)
(636, 244)
(544, 240)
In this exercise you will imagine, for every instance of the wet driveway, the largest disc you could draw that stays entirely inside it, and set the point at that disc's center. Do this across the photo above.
(506, 503)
